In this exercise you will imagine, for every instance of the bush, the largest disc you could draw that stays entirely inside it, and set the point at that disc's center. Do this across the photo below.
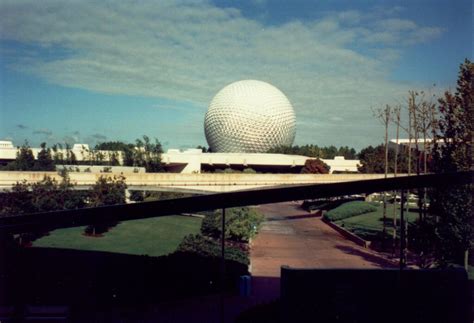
(208, 247)
(350, 209)
(241, 224)
(137, 196)
(315, 166)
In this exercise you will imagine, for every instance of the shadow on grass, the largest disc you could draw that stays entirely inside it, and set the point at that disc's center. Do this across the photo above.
(90, 279)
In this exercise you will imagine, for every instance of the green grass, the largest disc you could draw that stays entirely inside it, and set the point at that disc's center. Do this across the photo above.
(369, 225)
(153, 237)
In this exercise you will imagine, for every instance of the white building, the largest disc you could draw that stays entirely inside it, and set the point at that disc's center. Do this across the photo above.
(195, 161)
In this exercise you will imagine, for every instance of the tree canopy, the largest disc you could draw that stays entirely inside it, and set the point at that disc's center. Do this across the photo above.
(453, 205)
(316, 151)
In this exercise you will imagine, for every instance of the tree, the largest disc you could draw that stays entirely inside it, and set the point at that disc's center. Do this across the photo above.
(148, 155)
(385, 116)
(106, 191)
(453, 152)
(44, 196)
(25, 160)
(44, 161)
(58, 156)
(203, 148)
(315, 151)
(241, 224)
(315, 166)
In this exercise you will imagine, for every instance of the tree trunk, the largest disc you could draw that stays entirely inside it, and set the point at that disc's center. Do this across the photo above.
(384, 217)
(394, 215)
(466, 259)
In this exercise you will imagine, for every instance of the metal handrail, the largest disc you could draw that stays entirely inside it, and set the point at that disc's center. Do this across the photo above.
(37, 222)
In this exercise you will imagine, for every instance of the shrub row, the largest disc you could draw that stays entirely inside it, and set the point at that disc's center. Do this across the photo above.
(241, 224)
(208, 247)
(350, 209)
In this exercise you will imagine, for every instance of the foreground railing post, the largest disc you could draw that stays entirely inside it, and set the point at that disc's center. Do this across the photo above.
(402, 232)
(222, 265)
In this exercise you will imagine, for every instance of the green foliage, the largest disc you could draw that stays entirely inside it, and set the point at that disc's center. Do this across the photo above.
(157, 196)
(204, 149)
(241, 224)
(452, 205)
(70, 156)
(315, 151)
(25, 160)
(46, 195)
(372, 160)
(108, 191)
(44, 161)
(369, 226)
(208, 247)
(113, 145)
(148, 155)
(315, 166)
(137, 196)
(350, 209)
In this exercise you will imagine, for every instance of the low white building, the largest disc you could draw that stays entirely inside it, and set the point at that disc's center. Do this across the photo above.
(195, 161)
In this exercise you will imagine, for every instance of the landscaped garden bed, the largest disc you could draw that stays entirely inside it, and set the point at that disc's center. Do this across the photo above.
(362, 222)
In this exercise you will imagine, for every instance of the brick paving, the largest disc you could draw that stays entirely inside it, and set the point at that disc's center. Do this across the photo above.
(293, 237)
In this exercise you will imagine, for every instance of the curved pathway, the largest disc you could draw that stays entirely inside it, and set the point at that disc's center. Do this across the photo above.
(293, 237)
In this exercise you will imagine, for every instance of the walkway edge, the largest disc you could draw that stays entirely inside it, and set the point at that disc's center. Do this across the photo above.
(347, 234)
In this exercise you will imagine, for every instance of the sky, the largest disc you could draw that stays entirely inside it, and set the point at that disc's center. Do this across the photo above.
(94, 71)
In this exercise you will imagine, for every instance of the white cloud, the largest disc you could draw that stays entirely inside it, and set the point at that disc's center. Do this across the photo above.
(187, 51)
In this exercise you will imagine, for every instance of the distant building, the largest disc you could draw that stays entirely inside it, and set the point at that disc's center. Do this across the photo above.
(421, 145)
(195, 161)
(82, 152)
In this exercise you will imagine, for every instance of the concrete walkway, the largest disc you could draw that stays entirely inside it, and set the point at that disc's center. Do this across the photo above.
(291, 236)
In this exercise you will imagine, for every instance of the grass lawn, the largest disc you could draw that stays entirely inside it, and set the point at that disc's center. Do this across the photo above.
(153, 237)
(369, 225)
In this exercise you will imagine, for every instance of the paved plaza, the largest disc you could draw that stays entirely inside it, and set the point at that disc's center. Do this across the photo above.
(293, 237)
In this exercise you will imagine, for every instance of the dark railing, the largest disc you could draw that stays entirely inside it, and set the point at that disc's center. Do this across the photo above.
(72, 218)
(41, 222)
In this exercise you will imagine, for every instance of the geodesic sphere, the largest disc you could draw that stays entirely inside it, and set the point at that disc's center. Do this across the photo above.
(249, 117)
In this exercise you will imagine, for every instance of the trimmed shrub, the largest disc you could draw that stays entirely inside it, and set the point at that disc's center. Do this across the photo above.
(241, 224)
(350, 209)
(208, 247)
(315, 166)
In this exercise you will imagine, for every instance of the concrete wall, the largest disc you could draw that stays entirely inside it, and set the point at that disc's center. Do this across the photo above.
(205, 182)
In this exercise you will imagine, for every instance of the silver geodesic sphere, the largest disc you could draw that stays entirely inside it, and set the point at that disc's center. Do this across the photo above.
(249, 117)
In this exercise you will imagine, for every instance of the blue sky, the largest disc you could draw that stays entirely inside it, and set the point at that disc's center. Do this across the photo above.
(89, 71)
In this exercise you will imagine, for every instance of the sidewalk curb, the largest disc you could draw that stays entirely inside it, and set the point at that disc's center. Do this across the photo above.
(347, 234)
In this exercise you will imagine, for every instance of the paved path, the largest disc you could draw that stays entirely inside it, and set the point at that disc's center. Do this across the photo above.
(291, 236)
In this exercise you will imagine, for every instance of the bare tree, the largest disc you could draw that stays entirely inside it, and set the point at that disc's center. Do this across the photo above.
(426, 117)
(395, 118)
(384, 115)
